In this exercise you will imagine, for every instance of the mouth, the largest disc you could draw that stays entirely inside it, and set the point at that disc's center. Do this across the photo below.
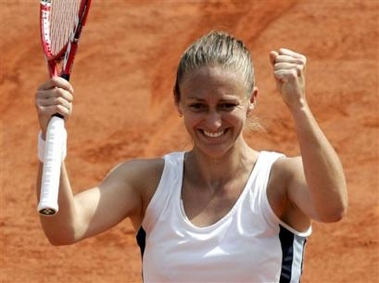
(213, 134)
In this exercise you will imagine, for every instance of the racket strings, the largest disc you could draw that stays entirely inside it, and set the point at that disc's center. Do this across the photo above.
(64, 14)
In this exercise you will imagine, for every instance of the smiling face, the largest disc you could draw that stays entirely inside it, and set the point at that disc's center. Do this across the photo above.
(215, 104)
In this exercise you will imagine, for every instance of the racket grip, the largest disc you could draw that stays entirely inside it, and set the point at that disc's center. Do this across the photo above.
(55, 140)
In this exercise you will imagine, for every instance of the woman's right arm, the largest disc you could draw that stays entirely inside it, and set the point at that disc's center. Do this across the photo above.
(123, 193)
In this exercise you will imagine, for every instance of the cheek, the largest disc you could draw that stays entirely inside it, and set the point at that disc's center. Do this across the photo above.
(240, 115)
(238, 120)
(192, 120)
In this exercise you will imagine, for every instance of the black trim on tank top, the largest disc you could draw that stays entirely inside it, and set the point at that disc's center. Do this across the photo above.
(141, 240)
(287, 239)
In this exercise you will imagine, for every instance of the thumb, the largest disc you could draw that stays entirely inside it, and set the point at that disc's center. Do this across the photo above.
(273, 55)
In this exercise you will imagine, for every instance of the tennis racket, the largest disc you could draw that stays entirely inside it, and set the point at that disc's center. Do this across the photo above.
(61, 23)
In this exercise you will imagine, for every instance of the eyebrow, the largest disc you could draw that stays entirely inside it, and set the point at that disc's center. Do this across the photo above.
(194, 97)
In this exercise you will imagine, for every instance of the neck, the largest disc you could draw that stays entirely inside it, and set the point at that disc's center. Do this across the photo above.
(213, 172)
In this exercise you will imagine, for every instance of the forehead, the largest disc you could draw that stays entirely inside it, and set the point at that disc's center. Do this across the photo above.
(213, 80)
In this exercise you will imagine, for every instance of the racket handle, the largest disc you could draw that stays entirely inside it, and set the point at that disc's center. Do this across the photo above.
(55, 140)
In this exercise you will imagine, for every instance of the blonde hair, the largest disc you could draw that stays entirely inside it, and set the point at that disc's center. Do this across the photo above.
(216, 49)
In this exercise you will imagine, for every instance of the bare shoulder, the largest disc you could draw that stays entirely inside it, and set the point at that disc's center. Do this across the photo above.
(286, 168)
(141, 166)
(133, 183)
(138, 177)
(281, 175)
(141, 174)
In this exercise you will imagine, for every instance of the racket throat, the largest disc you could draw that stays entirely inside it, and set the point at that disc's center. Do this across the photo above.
(65, 76)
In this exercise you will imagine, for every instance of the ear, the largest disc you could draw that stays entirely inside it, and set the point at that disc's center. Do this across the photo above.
(253, 99)
(179, 108)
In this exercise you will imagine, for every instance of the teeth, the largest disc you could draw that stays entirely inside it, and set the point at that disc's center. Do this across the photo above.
(213, 135)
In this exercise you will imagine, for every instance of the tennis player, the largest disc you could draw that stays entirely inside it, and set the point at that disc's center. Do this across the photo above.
(222, 211)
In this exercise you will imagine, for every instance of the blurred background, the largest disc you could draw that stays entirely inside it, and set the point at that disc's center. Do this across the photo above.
(123, 78)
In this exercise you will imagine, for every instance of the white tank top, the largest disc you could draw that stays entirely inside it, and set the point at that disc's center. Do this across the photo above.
(249, 244)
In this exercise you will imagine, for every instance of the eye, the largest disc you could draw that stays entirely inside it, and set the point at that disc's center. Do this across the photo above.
(197, 106)
(227, 106)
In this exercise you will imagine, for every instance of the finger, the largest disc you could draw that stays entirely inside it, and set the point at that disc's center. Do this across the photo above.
(285, 65)
(54, 101)
(57, 100)
(54, 93)
(288, 59)
(54, 109)
(285, 51)
(58, 103)
(286, 75)
(293, 72)
(56, 82)
(297, 68)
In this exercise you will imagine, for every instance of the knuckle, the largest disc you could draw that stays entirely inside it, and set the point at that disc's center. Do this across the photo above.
(39, 109)
(292, 74)
(39, 94)
(59, 109)
(58, 92)
(58, 100)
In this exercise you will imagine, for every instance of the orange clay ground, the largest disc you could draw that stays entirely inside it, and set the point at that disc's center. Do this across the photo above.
(123, 78)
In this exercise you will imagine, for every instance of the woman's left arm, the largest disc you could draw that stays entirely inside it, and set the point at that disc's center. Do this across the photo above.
(324, 198)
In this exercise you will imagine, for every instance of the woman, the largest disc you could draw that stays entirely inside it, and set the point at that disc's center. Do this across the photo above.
(221, 212)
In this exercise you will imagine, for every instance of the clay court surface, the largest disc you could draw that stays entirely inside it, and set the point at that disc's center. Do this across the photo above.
(124, 109)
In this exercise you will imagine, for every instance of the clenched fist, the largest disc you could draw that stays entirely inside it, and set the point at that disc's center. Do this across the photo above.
(55, 96)
(289, 73)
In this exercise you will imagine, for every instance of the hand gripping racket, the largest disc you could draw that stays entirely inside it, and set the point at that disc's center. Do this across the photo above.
(61, 23)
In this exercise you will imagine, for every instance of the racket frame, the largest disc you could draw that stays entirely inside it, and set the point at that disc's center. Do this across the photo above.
(68, 51)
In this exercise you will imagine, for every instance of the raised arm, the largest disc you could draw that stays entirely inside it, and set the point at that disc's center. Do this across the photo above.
(119, 195)
(317, 185)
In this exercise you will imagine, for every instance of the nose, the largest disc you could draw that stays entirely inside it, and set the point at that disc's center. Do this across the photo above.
(213, 121)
